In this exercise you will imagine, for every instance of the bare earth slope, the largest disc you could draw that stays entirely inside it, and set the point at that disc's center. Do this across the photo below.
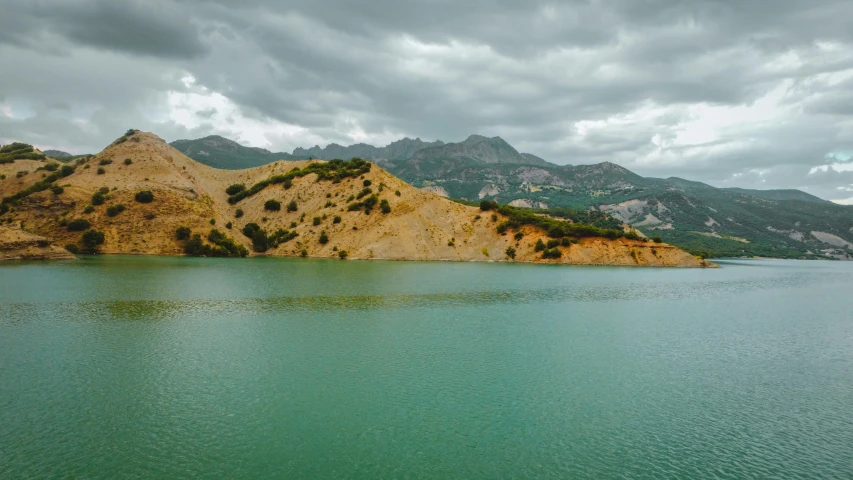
(16, 244)
(420, 225)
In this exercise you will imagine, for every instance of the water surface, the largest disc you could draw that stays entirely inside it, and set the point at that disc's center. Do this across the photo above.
(116, 367)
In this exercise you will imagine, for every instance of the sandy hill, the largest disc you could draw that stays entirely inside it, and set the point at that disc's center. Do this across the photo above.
(419, 226)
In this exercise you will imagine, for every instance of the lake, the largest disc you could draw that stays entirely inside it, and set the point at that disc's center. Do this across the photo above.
(144, 367)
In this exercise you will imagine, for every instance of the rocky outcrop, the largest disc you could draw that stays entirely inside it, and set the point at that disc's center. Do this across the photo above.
(16, 244)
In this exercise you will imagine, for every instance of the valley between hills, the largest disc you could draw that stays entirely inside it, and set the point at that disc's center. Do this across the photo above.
(141, 196)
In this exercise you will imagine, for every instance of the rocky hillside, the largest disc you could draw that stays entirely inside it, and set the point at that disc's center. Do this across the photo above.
(141, 196)
(16, 244)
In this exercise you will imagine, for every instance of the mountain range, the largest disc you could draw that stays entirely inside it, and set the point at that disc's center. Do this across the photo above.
(696, 216)
(142, 196)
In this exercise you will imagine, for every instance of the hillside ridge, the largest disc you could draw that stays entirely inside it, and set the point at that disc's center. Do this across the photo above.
(139, 191)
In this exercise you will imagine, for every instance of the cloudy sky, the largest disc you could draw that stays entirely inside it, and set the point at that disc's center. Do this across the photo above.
(752, 93)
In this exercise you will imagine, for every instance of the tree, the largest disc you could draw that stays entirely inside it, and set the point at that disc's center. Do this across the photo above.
(486, 205)
(183, 233)
(272, 205)
(98, 198)
(540, 245)
(144, 196)
(510, 252)
(238, 213)
(92, 240)
(317, 221)
(260, 242)
(291, 207)
(324, 238)
(384, 206)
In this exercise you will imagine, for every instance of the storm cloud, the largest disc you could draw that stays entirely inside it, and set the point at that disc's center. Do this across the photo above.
(733, 93)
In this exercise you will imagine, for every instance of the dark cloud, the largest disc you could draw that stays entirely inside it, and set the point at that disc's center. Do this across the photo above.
(731, 92)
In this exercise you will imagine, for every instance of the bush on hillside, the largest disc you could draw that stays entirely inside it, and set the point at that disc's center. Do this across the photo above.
(235, 189)
(183, 233)
(92, 240)
(272, 205)
(78, 225)
(114, 210)
(144, 196)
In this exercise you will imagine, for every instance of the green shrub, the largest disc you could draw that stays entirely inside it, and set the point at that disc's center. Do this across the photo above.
(92, 240)
(552, 243)
(337, 219)
(194, 246)
(101, 171)
(238, 213)
(303, 253)
(291, 207)
(367, 183)
(486, 205)
(72, 248)
(127, 161)
(114, 210)
(540, 245)
(503, 227)
(250, 228)
(324, 238)
(384, 206)
(212, 221)
(287, 183)
(317, 221)
(105, 162)
(363, 193)
(518, 236)
(51, 167)
(566, 241)
(397, 193)
(235, 189)
(657, 239)
(57, 190)
(229, 225)
(510, 252)
(272, 205)
(333, 170)
(150, 216)
(78, 225)
(183, 233)
(66, 170)
(552, 253)
(89, 209)
(144, 196)
(343, 254)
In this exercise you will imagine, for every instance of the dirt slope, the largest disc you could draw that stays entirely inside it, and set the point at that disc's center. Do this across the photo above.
(420, 226)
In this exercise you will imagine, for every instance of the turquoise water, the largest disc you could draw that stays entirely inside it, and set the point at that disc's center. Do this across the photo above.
(134, 367)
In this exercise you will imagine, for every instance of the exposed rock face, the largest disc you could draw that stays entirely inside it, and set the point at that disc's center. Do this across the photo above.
(16, 244)
(419, 225)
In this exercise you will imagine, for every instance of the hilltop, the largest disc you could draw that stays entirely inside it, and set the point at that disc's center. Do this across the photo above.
(142, 196)
(705, 220)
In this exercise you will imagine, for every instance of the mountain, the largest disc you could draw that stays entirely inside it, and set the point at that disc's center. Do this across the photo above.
(693, 215)
(220, 152)
(57, 154)
(142, 196)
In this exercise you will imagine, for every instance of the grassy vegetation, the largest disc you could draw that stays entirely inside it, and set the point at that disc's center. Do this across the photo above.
(334, 170)
(19, 151)
(554, 228)
(39, 186)
(261, 241)
(221, 245)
